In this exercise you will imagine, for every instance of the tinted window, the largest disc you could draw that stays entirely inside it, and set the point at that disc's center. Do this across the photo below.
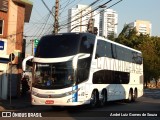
(83, 69)
(58, 46)
(110, 77)
(106, 49)
(114, 51)
(101, 49)
(87, 44)
(136, 57)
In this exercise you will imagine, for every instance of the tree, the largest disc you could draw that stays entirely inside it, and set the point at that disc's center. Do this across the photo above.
(128, 37)
(150, 47)
(111, 37)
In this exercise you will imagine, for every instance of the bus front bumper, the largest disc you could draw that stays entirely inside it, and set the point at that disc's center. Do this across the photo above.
(56, 101)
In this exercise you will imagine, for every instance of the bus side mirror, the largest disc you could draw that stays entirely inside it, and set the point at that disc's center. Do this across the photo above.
(27, 61)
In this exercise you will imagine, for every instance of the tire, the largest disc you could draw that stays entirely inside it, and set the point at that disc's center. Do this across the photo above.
(130, 96)
(94, 99)
(135, 95)
(104, 98)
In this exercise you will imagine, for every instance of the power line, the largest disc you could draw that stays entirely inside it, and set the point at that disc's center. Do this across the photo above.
(93, 3)
(64, 7)
(36, 27)
(86, 14)
(97, 12)
(43, 18)
(64, 25)
(48, 8)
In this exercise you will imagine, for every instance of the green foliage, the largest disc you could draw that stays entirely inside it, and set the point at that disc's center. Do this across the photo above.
(150, 47)
(111, 37)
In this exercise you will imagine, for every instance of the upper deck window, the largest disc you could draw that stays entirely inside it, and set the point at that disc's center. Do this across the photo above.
(54, 46)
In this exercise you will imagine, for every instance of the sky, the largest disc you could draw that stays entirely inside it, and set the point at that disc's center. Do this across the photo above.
(128, 11)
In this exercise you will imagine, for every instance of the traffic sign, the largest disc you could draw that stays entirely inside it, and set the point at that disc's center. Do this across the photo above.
(36, 41)
(1, 45)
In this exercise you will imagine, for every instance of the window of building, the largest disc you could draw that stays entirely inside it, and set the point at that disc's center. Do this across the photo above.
(1, 27)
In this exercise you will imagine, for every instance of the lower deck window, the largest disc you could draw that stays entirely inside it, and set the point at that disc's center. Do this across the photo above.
(110, 77)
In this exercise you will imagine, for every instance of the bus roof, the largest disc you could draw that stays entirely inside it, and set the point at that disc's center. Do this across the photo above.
(97, 37)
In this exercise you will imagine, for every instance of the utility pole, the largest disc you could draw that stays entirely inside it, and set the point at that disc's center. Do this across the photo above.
(91, 25)
(56, 24)
(32, 42)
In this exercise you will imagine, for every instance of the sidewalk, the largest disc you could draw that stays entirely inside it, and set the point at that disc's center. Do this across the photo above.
(16, 103)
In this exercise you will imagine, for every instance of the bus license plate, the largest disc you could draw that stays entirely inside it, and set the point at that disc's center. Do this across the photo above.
(49, 102)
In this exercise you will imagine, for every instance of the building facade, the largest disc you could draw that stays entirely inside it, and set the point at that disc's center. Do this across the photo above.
(13, 15)
(78, 18)
(141, 26)
(108, 23)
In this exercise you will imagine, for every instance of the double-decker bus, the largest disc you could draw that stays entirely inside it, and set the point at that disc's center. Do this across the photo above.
(73, 69)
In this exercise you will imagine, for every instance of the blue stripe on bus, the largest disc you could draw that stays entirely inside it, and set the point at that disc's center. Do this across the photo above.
(75, 95)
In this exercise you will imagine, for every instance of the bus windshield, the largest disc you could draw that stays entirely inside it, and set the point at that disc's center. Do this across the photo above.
(53, 75)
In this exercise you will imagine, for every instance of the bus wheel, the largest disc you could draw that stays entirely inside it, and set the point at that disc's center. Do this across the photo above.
(94, 99)
(104, 98)
(130, 96)
(135, 95)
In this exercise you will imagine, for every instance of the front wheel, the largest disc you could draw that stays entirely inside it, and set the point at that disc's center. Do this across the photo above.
(94, 99)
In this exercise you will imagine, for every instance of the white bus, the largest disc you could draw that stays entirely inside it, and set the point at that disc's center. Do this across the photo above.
(73, 69)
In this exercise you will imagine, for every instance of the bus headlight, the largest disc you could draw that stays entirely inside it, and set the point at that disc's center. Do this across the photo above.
(71, 92)
(68, 93)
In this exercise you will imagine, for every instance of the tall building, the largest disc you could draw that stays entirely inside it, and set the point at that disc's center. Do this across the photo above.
(79, 17)
(13, 15)
(142, 27)
(108, 23)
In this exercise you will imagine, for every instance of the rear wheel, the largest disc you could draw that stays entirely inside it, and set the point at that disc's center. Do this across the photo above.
(104, 98)
(135, 95)
(130, 96)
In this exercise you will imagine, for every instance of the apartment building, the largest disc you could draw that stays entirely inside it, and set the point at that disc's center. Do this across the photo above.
(79, 17)
(141, 26)
(108, 23)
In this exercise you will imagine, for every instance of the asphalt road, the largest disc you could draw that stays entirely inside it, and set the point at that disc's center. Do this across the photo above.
(146, 107)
